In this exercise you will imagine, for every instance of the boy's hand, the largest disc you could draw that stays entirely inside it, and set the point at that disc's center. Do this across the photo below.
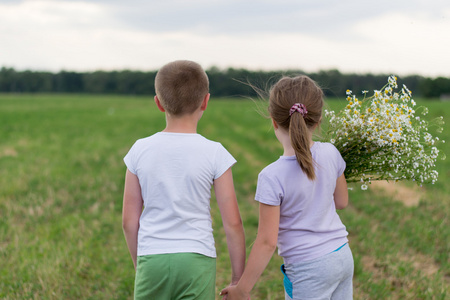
(232, 292)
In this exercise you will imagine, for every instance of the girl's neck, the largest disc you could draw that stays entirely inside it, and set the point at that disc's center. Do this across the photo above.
(285, 140)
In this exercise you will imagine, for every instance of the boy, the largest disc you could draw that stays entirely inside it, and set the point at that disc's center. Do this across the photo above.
(166, 209)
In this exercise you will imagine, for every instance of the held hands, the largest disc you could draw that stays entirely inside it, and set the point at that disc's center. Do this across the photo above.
(233, 292)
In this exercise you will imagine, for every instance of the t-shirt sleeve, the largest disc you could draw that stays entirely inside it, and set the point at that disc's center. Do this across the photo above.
(340, 162)
(268, 191)
(224, 160)
(130, 160)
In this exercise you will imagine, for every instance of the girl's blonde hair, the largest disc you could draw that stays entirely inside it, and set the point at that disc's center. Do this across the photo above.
(283, 95)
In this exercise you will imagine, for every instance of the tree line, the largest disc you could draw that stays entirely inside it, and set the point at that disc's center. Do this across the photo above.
(223, 82)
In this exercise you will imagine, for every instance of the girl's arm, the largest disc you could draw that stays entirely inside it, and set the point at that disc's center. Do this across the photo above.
(232, 223)
(262, 251)
(341, 193)
(131, 212)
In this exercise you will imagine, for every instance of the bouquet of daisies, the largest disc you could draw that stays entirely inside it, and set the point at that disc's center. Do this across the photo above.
(384, 137)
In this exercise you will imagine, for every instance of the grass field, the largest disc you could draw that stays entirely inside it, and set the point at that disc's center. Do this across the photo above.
(61, 185)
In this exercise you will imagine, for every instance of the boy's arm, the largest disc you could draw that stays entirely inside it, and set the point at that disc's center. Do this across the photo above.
(341, 193)
(232, 223)
(131, 212)
(262, 251)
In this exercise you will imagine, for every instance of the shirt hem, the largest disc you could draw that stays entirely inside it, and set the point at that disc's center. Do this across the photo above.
(310, 257)
(169, 251)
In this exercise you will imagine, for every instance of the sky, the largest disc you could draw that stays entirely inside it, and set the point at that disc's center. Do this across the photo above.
(400, 37)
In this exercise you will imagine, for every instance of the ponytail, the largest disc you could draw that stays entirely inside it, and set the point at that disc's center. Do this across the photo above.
(296, 104)
(298, 132)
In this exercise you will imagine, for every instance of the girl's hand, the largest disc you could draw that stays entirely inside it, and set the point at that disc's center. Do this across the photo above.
(234, 293)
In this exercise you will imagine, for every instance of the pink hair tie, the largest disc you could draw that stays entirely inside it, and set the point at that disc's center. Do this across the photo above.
(299, 108)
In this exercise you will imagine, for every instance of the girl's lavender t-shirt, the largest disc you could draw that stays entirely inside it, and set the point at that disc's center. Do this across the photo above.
(309, 225)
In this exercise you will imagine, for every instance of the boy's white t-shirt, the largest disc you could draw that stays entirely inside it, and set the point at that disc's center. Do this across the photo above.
(176, 172)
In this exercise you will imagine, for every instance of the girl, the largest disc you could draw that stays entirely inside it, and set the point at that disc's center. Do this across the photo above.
(299, 194)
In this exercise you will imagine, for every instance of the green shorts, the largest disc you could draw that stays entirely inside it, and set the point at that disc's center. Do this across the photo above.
(175, 276)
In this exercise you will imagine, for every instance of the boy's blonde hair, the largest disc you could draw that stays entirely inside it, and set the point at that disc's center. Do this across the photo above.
(181, 86)
(283, 95)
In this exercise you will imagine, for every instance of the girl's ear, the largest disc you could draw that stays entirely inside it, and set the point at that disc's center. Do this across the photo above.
(318, 124)
(158, 103)
(275, 125)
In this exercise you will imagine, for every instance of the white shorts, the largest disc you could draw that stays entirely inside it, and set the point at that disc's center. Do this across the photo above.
(329, 277)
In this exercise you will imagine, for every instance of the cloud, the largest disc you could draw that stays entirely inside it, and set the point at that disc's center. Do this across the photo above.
(414, 42)
(387, 36)
(324, 18)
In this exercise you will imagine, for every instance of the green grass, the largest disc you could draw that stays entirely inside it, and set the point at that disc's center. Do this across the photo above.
(61, 185)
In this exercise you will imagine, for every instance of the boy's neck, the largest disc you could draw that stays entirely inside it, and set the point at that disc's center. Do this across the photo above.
(186, 123)
(183, 124)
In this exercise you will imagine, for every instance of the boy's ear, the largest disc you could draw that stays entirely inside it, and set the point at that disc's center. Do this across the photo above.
(205, 102)
(158, 103)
